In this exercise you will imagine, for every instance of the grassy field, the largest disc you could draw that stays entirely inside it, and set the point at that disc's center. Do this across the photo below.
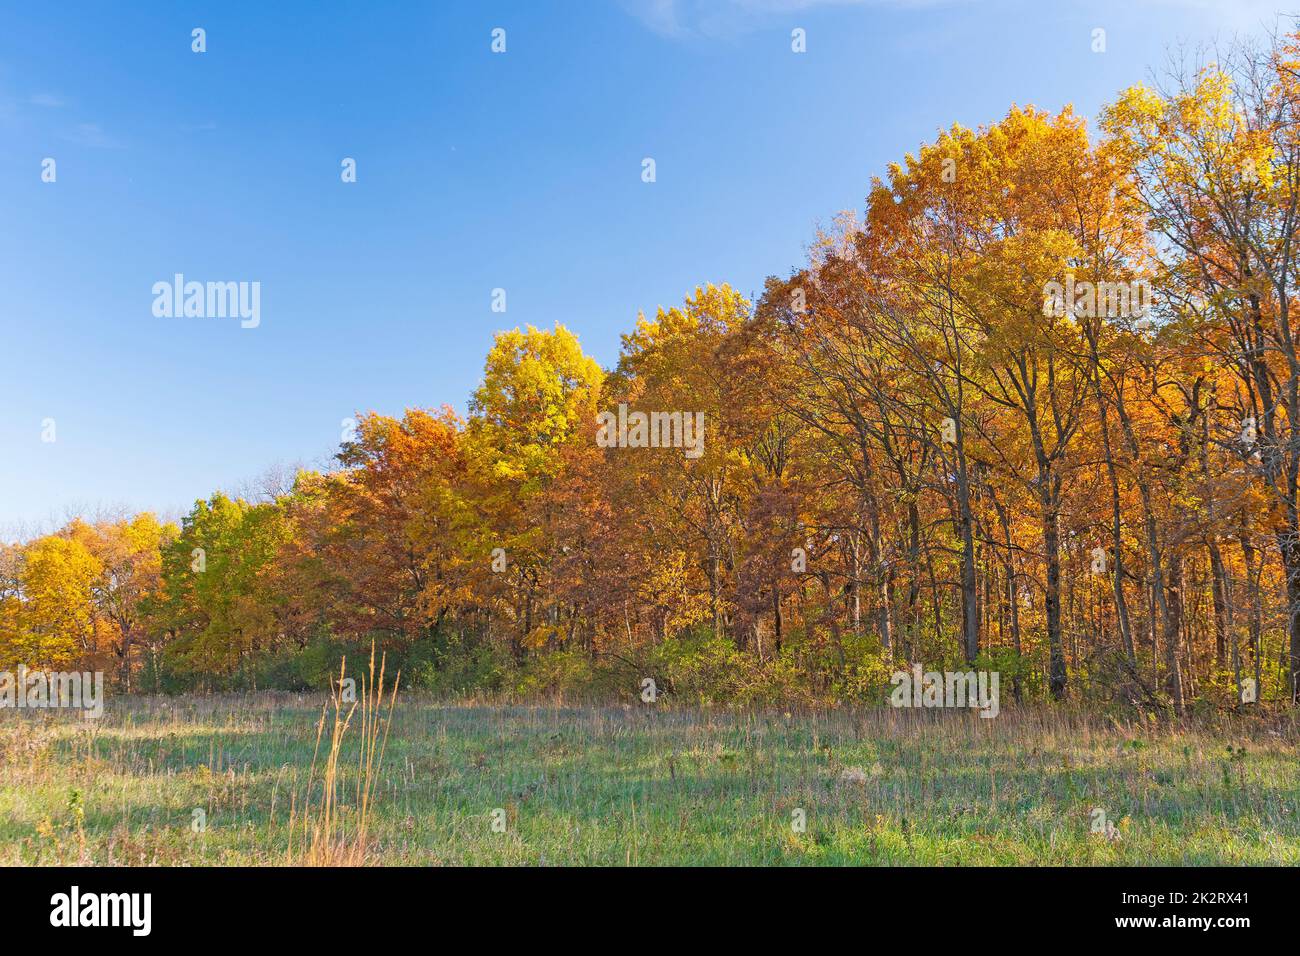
(651, 786)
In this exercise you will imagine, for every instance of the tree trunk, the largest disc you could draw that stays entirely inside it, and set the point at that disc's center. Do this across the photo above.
(970, 624)
(1222, 607)
(1173, 628)
(1057, 677)
(1289, 544)
(776, 617)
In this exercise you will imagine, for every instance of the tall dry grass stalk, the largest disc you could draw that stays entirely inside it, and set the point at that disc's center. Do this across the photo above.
(319, 835)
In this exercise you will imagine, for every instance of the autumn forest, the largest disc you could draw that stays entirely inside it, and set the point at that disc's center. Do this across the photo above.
(1035, 409)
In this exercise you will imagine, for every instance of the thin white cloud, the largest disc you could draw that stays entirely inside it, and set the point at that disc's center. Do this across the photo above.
(684, 18)
(659, 15)
(48, 100)
(1238, 14)
(93, 135)
(681, 18)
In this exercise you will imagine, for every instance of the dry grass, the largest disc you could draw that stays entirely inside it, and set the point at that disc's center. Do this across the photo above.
(297, 779)
(323, 837)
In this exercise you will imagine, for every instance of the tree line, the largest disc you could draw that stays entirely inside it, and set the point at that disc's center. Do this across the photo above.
(1034, 410)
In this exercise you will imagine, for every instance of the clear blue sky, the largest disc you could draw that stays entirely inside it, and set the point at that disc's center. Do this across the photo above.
(475, 171)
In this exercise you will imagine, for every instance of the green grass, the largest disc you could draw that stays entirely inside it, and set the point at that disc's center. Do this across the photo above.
(655, 786)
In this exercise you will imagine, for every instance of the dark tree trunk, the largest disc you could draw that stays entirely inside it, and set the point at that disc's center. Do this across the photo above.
(1173, 628)
(1057, 677)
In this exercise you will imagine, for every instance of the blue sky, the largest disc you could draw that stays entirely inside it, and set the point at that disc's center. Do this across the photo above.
(475, 171)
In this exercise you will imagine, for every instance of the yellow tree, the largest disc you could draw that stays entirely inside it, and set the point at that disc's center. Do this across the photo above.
(129, 552)
(58, 580)
(690, 469)
(1214, 161)
(539, 394)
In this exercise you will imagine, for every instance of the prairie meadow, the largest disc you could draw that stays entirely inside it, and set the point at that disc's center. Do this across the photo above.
(224, 780)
